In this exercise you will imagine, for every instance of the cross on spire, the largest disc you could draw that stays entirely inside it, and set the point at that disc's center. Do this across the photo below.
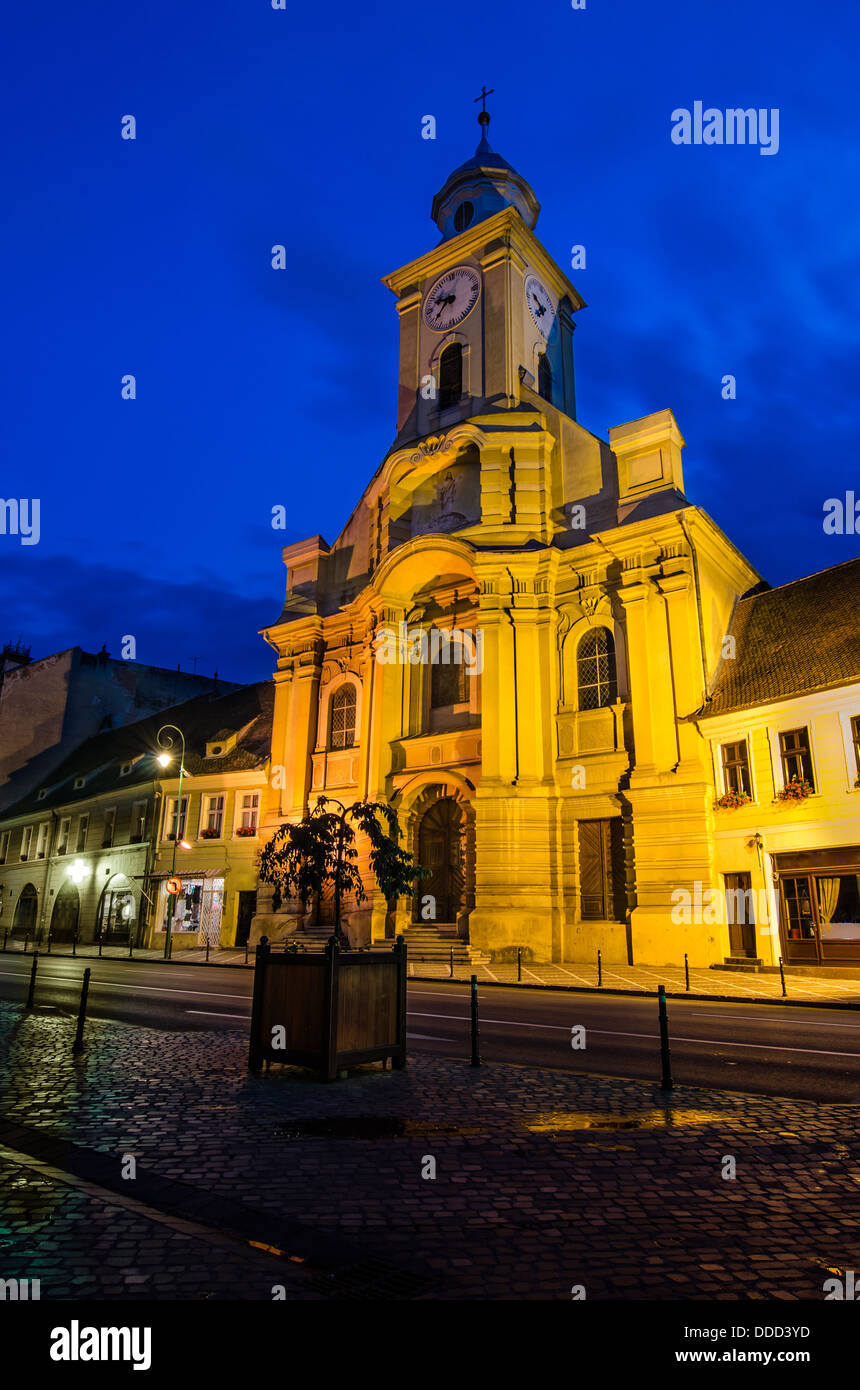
(483, 98)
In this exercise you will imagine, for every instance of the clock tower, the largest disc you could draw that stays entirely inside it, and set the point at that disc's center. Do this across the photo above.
(486, 317)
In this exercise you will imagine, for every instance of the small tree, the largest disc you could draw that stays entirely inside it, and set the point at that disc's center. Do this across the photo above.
(301, 859)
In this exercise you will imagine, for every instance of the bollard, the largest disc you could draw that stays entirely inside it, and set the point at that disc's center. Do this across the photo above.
(78, 1044)
(207, 948)
(782, 977)
(686, 970)
(519, 962)
(666, 1080)
(31, 992)
(101, 938)
(452, 962)
(5, 938)
(476, 1059)
(49, 941)
(599, 970)
(246, 953)
(26, 940)
(75, 942)
(130, 945)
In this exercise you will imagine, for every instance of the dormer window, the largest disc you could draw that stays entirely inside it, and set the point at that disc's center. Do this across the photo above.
(221, 746)
(43, 792)
(450, 376)
(125, 769)
(80, 782)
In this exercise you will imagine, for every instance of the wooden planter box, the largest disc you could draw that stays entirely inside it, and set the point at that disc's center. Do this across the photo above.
(336, 1009)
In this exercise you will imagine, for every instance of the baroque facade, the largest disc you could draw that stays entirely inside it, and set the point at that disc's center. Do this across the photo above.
(553, 779)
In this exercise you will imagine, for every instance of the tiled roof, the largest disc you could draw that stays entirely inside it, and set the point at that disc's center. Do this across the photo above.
(202, 720)
(801, 637)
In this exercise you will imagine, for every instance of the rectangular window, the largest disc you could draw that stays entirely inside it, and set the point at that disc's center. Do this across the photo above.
(602, 876)
(26, 841)
(109, 827)
(855, 735)
(63, 835)
(212, 820)
(736, 769)
(174, 832)
(83, 827)
(250, 809)
(42, 839)
(796, 756)
(138, 822)
(4, 846)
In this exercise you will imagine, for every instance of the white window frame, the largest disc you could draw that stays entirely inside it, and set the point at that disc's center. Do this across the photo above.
(26, 842)
(138, 819)
(852, 775)
(63, 844)
(5, 838)
(242, 811)
(171, 813)
(83, 825)
(718, 746)
(803, 721)
(208, 808)
(109, 819)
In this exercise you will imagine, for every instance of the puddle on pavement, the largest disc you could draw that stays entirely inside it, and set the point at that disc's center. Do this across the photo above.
(559, 1121)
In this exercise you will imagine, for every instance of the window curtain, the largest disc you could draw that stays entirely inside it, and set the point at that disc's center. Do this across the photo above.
(828, 896)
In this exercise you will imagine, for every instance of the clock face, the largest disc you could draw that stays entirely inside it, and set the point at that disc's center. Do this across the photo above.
(541, 306)
(453, 296)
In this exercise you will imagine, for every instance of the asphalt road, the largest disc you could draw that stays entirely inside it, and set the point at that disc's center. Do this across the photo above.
(786, 1050)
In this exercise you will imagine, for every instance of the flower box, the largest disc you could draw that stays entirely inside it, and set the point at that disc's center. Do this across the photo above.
(731, 801)
(246, 830)
(798, 789)
(209, 834)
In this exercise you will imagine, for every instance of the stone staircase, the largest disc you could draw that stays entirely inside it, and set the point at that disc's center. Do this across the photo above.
(424, 942)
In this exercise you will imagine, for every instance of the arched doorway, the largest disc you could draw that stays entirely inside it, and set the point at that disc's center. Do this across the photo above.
(67, 908)
(25, 911)
(440, 851)
(117, 914)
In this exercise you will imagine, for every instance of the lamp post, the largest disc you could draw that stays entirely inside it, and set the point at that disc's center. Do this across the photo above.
(163, 760)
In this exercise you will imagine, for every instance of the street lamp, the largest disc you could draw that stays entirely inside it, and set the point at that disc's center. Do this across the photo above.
(164, 759)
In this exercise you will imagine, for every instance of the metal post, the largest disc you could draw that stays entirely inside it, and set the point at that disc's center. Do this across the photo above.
(75, 942)
(207, 948)
(130, 945)
(78, 1044)
(452, 962)
(49, 941)
(599, 969)
(168, 947)
(246, 953)
(5, 937)
(26, 940)
(476, 1057)
(782, 977)
(686, 970)
(519, 963)
(666, 1080)
(101, 938)
(31, 992)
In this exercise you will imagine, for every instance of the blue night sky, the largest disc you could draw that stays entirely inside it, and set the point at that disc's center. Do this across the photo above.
(302, 127)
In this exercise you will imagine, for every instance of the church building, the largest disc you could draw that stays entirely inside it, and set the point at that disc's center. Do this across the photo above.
(511, 636)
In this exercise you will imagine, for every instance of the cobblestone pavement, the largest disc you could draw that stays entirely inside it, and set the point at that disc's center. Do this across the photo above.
(543, 1179)
(805, 988)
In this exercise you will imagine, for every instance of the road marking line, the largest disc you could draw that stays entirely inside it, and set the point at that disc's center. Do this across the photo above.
(613, 1033)
(796, 1023)
(107, 984)
(215, 1014)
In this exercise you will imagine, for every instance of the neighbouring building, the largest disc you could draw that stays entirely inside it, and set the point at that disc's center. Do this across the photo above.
(511, 635)
(87, 853)
(50, 706)
(783, 730)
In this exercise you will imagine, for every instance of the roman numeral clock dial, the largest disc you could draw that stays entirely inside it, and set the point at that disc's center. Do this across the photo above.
(451, 298)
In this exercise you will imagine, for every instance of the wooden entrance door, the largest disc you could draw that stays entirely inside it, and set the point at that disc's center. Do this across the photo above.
(439, 851)
(247, 908)
(64, 918)
(740, 914)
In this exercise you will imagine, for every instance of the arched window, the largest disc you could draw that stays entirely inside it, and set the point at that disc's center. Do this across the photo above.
(595, 669)
(544, 378)
(450, 375)
(342, 718)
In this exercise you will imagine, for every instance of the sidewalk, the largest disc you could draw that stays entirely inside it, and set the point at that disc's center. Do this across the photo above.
(438, 1182)
(808, 988)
